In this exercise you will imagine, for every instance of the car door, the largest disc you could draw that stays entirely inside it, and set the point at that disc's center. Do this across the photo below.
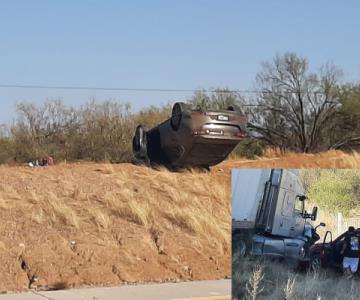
(337, 257)
(327, 253)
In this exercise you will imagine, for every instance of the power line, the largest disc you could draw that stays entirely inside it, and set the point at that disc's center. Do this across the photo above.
(161, 90)
(125, 89)
(23, 86)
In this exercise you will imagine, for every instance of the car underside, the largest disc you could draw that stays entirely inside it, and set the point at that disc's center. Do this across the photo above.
(190, 138)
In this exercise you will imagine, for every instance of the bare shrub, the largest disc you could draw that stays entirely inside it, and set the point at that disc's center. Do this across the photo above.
(254, 287)
(289, 289)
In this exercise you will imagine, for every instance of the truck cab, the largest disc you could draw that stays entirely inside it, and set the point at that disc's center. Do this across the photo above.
(269, 216)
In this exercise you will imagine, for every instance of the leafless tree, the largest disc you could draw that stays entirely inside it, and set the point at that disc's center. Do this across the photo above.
(295, 106)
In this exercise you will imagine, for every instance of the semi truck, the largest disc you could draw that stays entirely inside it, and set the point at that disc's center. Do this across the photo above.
(269, 216)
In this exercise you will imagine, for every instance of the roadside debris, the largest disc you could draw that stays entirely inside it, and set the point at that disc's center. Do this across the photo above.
(49, 161)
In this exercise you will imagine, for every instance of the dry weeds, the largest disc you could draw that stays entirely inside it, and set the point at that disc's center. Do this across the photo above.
(282, 281)
(276, 159)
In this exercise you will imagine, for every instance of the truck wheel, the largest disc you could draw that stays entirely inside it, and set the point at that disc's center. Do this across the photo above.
(176, 115)
(239, 245)
(139, 142)
(243, 250)
(315, 263)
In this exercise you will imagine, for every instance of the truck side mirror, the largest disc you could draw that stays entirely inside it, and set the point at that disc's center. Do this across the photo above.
(314, 213)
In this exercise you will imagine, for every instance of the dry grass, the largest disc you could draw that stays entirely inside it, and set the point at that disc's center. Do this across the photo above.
(254, 286)
(276, 159)
(86, 195)
(282, 281)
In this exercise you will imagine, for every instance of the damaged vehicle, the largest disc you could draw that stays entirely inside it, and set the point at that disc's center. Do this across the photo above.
(190, 137)
(269, 217)
(327, 254)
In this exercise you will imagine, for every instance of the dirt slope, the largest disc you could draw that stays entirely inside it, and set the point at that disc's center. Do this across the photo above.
(85, 224)
(101, 224)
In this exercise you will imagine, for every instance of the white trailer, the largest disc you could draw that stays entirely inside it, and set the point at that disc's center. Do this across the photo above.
(247, 187)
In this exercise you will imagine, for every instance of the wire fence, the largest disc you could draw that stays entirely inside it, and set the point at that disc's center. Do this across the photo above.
(344, 223)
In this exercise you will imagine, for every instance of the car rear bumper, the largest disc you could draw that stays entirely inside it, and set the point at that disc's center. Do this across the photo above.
(222, 131)
(207, 150)
(211, 138)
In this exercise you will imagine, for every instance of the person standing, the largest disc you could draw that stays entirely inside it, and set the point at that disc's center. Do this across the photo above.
(350, 251)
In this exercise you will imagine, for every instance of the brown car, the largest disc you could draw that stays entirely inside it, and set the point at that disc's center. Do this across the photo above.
(191, 138)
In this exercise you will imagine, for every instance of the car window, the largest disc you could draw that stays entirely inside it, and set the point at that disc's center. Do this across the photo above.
(354, 242)
(340, 242)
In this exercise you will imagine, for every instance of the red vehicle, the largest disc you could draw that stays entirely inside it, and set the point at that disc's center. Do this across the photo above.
(327, 253)
(191, 137)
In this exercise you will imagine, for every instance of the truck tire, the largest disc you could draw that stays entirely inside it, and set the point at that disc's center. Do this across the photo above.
(240, 245)
(177, 113)
(243, 248)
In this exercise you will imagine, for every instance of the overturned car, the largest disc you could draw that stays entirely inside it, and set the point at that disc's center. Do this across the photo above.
(190, 138)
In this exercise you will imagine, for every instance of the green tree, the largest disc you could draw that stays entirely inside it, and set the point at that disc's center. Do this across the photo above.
(350, 99)
(345, 130)
(335, 190)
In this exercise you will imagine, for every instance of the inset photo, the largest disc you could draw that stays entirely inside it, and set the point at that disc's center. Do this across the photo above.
(295, 233)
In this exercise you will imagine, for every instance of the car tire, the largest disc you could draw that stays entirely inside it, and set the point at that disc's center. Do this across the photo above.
(315, 263)
(139, 142)
(178, 110)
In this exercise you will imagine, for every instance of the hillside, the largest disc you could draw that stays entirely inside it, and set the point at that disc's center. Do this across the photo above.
(84, 224)
(102, 224)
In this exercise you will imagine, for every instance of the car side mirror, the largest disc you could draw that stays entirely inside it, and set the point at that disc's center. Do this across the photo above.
(314, 213)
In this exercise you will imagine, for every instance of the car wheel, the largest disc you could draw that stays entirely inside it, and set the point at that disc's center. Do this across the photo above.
(139, 141)
(176, 115)
(315, 263)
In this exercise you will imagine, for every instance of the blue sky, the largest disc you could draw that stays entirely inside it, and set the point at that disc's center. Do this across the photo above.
(163, 44)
